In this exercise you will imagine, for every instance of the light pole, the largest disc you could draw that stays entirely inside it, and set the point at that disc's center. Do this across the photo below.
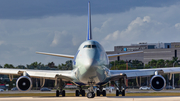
(173, 74)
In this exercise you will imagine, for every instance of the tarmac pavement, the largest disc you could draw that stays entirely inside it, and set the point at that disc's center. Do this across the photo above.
(129, 98)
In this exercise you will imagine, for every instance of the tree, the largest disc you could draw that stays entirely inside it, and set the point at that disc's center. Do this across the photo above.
(35, 65)
(51, 64)
(167, 63)
(69, 65)
(137, 64)
(8, 66)
(21, 67)
(160, 63)
(147, 66)
(178, 82)
(174, 58)
(153, 63)
(59, 67)
(30, 66)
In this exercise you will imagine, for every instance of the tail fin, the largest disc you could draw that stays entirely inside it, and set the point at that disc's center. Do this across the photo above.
(89, 34)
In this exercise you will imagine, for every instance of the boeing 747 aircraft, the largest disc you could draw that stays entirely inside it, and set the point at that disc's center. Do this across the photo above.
(90, 67)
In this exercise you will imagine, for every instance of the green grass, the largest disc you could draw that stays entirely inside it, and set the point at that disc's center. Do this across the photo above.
(72, 94)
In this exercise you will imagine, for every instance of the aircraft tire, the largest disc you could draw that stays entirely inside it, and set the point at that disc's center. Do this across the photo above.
(63, 93)
(77, 92)
(104, 92)
(83, 93)
(123, 92)
(117, 92)
(93, 94)
(98, 93)
(90, 94)
(57, 93)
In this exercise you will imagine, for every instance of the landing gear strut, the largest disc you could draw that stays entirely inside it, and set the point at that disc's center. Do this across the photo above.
(60, 91)
(121, 87)
(101, 91)
(80, 91)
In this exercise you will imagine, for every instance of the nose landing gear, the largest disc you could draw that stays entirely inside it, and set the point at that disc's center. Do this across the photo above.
(91, 93)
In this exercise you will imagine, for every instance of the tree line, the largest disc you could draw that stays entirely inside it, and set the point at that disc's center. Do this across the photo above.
(38, 65)
(136, 64)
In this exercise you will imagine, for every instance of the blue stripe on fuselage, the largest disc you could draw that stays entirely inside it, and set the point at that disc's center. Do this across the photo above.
(74, 61)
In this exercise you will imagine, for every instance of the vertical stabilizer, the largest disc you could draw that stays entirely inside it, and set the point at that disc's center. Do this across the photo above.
(89, 33)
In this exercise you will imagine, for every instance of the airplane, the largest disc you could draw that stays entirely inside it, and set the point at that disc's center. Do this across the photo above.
(90, 68)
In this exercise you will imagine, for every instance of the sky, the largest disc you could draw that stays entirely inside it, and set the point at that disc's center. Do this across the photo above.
(60, 26)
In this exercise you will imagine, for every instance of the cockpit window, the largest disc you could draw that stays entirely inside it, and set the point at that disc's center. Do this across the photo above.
(89, 46)
(93, 46)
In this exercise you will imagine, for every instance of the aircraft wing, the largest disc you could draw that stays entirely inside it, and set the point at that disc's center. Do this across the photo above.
(65, 75)
(116, 74)
(121, 54)
(59, 55)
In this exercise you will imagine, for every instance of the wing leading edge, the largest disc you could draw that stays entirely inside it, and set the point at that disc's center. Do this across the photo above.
(59, 55)
(66, 75)
(115, 74)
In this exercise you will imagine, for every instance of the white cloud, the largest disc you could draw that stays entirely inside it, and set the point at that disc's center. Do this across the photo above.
(104, 25)
(2, 42)
(177, 25)
(134, 29)
(58, 37)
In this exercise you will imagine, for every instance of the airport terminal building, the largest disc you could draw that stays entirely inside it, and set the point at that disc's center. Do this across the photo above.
(151, 51)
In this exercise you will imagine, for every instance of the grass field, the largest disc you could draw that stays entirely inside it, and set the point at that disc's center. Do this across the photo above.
(72, 94)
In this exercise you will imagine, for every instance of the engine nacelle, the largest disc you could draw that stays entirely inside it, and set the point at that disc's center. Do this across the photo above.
(24, 83)
(157, 82)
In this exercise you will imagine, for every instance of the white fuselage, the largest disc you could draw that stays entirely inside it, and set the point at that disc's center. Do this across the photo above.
(91, 63)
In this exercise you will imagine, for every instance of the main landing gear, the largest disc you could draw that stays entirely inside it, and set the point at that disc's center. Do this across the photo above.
(101, 91)
(121, 87)
(60, 91)
(80, 91)
(118, 92)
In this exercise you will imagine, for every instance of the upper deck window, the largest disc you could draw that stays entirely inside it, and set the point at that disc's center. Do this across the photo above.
(89, 46)
(93, 46)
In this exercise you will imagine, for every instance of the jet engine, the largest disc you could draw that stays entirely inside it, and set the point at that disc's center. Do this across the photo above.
(157, 82)
(24, 83)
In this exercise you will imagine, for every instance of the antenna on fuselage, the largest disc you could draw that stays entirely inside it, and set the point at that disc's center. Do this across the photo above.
(89, 34)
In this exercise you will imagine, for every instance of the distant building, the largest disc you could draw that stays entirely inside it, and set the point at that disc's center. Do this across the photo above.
(150, 51)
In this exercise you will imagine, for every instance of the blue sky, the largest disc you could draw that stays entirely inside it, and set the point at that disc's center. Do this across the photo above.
(60, 26)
